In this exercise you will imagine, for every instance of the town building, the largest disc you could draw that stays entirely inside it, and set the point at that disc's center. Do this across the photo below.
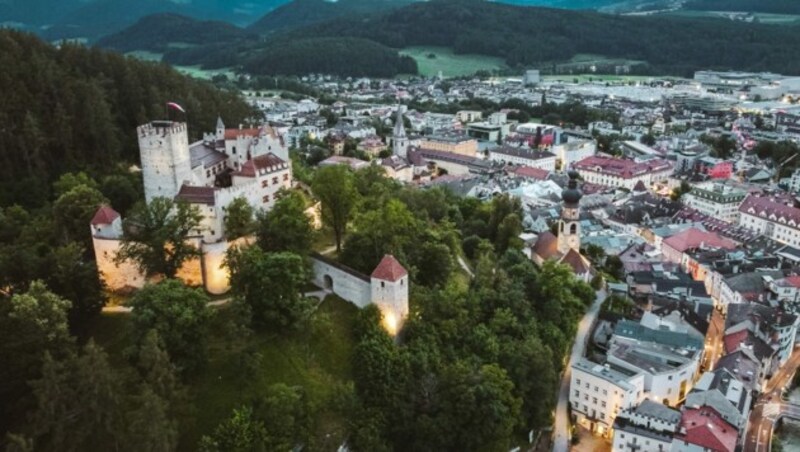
(523, 156)
(774, 218)
(717, 200)
(623, 173)
(599, 392)
(452, 142)
(650, 426)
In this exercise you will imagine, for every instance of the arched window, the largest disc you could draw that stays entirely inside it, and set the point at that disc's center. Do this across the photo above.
(573, 229)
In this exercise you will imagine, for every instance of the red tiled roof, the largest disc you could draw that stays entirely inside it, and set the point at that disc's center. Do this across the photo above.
(531, 172)
(268, 163)
(196, 195)
(706, 428)
(692, 238)
(732, 341)
(389, 269)
(623, 168)
(104, 215)
(578, 263)
(231, 134)
(793, 281)
(546, 245)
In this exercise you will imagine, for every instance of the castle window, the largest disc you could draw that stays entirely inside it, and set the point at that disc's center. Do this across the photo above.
(275, 180)
(208, 173)
(573, 229)
(265, 199)
(383, 284)
(233, 149)
(285, 177)
(264, 183)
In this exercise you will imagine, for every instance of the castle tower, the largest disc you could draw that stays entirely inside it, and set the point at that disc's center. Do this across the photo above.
(389, 286)
(166, 163)
(220, 129)
(399, 138)
(569, 226)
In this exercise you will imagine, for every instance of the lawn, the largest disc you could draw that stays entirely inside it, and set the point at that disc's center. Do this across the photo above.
(317, 358)
(449, 63)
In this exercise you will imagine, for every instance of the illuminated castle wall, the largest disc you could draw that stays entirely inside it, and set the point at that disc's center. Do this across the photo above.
(387, 287)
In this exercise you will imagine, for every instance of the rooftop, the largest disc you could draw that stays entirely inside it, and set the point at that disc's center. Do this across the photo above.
(706, 428)
(623, 168)
(613, 374)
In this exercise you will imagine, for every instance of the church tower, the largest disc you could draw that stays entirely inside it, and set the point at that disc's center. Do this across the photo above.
(166, 163)
(569, 226)
(399, 138)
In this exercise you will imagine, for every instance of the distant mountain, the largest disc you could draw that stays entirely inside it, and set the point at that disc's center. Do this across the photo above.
(299, 13)
(159, 32)
(91, 19)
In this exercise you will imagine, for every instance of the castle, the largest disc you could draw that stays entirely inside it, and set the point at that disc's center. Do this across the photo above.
(249, 163)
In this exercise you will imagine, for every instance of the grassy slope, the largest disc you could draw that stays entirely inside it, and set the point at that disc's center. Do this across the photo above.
(317, 358)
(449, 63)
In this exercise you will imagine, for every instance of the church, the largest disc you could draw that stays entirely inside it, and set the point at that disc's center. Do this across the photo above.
(565, 248)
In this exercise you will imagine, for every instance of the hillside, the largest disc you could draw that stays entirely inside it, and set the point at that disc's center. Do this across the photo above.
(92, 19)
(532, 36)
(158, 32)
(299, 13)
(74, 108)
(759, 6)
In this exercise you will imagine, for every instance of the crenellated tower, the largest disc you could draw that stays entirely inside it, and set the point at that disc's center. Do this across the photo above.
(166, 162)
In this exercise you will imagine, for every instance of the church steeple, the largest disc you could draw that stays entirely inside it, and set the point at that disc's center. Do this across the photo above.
(569, 226)
(399, 138)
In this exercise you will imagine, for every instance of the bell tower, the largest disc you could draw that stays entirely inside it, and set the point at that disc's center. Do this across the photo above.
(569, 226)
(399, 138)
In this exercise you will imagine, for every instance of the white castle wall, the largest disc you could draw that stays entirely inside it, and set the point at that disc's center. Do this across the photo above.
(217, 276)
(344, 282)
(166, 163)
(117, 277)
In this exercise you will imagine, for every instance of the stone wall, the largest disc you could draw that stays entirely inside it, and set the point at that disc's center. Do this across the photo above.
(341, 280)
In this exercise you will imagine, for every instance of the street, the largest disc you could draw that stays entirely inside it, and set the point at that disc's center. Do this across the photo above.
(561, 431)
(769, 406)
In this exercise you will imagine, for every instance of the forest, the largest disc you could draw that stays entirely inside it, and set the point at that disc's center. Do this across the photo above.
(77, 109)
(156, 33)
(758, 6)
(523, 36)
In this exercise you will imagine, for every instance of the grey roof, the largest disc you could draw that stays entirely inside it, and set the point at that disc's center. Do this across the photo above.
(633, 330)
(651, 357)
(613, 374)
(202, 153)
(658, 411)
(715, 399)
(751, 282)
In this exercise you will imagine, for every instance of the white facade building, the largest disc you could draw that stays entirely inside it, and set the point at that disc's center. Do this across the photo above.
(716, 200)
(771, 217)
(647, 427)
(523, 156)
(623, 173)
(599, 392)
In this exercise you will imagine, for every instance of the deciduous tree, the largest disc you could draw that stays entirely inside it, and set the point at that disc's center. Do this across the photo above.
(156, 236)
(335, 188)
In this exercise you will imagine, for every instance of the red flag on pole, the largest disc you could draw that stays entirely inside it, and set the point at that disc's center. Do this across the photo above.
(175, 106)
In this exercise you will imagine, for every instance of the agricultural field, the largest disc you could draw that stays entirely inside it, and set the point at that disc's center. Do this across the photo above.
(431, 60)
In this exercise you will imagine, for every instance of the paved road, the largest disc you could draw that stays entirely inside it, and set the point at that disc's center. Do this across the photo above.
(770, 407)
(561, 436)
